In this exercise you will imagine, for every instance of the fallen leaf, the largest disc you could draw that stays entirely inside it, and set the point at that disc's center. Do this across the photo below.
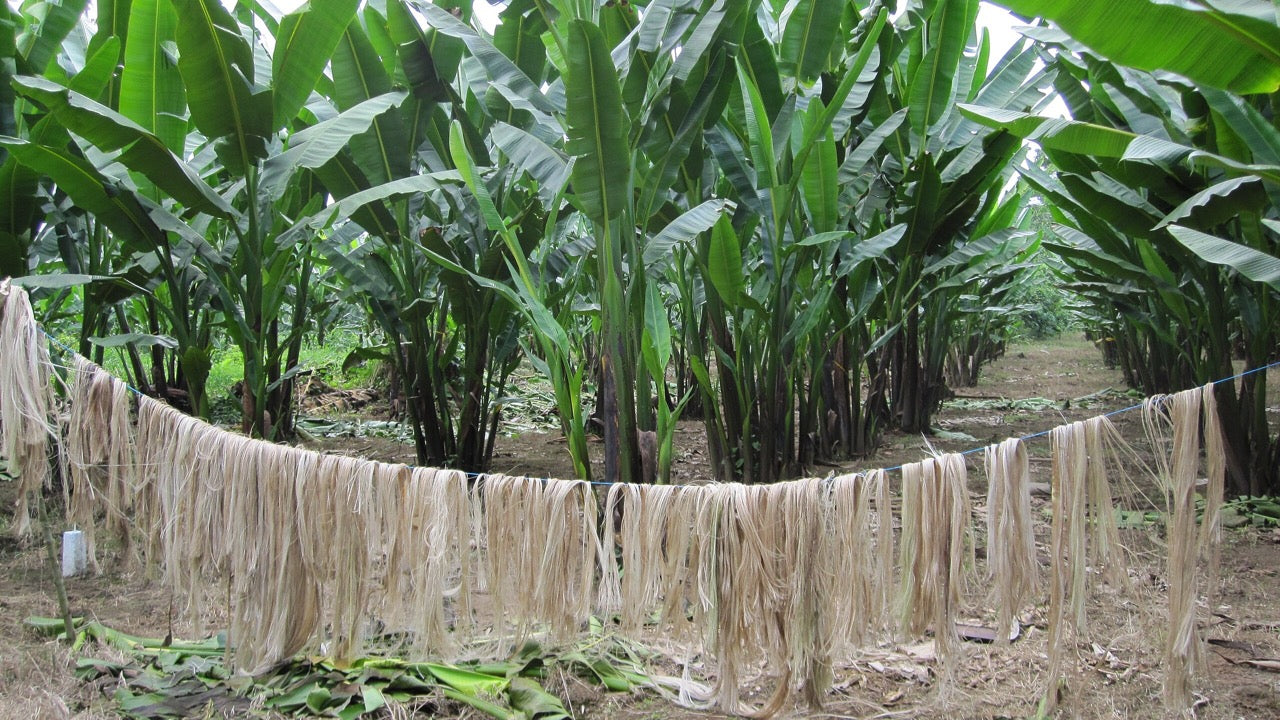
(1268, 664)
(1233, 645)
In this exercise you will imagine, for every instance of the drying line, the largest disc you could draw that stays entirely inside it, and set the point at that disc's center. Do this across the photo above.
(971, 451)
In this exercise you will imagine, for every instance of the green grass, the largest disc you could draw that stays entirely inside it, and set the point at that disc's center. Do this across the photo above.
(326, 360)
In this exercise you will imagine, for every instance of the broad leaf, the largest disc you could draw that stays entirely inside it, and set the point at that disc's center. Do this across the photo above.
(303, 44)
(39, 42)
(932, 84)
(315, 146)
(1253, 264)
(91, 191)
(506, 77)
(684, 229)
(217, 66)
(598, 126)
(545, 164)
(151, 91)
(806, 42)
(1219, 202)
(724, 262)
(383, 151)
(143, 152)
(1098, 140)
(1208, 43)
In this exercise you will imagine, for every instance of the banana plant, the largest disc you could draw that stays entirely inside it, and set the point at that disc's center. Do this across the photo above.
(448, 339)
(232, 209)
(1166, 194)
(634, 111)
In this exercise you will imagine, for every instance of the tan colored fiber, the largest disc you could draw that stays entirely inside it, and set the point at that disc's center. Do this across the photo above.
(1182, 651)
(1066, 547)
(1215, 472)
(311, 553)
(935, 522)
(98, 446)
(1011, 548)
(428, 520)
(25, 401)
(541, 550)
(856, 546)
(1105, 551)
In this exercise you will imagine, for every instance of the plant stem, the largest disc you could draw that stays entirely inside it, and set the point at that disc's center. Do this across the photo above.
(55, 572)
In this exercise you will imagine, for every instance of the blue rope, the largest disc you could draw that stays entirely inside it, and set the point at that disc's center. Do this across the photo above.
(971, 451)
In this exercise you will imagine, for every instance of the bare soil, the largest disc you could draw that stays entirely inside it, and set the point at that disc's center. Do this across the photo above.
(1114, 667)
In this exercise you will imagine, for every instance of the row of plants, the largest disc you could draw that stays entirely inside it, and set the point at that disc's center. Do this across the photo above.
(798, 221)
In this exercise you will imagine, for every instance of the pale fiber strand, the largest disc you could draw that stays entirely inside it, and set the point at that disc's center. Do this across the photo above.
(609, 590)
(1011, 549)
(25, 401)
(1215, 471)
(881, 616)
(1182, 652)
(1064, 558)
(98, 447)
(541, 552)
(935, 522)
(1105, 550)
(849, 577)
(911, 560)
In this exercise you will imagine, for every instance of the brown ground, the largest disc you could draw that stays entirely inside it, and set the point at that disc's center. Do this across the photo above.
(1115, 666)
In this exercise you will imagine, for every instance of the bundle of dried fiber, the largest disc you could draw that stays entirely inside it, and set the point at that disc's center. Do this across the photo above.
(565, 589)
(849, 546)
(910, 556)
(1066, 544)
(170, 482)
(807, 623)
(748, 595)
(1157, 425)
(541, 550)
(353, 537)
(641, 540)
(1011, 547)
(1182, 652)
(883, 566)
(508, 557)
(428, 519)
(684, 543)
(609, 589)
(935, 523)
(767, 592)
(1105, 550)
(1215, 471)
(280, 604)
(25, 400)
(98, 446)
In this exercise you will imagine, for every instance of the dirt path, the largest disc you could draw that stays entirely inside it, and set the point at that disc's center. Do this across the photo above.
(1115, 664)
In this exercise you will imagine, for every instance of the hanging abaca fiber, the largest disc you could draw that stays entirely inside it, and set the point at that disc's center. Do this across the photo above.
(756, 583)
(1182, 651)
(858, 542)
(653, 542)
(1011, 546)
(25, 401)
(98, 448)
(935, 522)
(541, 552)
(1215, 460)
(768, 607)
(1102, 441)
(430, 523)
(1083, 530)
